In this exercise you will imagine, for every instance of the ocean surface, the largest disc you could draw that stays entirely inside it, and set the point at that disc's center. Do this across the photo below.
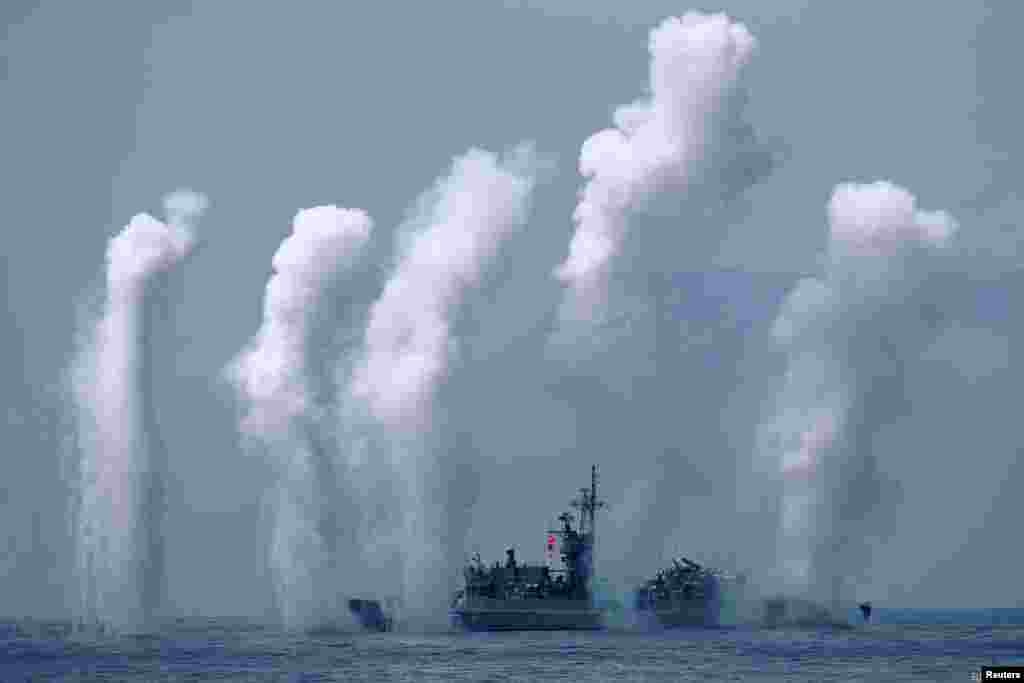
(901, 645)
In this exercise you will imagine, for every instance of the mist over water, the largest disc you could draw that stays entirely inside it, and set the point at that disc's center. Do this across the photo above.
(284, 381)
(350, 427)
(848, 335)
(631, 301)
(120, 492)
(409, 349)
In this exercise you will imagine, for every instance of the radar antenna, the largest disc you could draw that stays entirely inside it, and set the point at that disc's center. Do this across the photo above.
(588, 505)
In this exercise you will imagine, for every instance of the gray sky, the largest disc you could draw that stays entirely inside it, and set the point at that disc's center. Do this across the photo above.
(269, 109)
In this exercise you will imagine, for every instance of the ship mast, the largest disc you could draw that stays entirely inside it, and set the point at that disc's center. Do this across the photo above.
(593, 504)
(588, 504)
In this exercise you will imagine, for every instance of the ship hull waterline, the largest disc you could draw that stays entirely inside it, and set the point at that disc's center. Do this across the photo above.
(526, 615)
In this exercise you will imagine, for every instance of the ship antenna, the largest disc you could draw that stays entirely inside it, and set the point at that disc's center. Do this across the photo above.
(591, 504)
(588, 504)
(594, 503)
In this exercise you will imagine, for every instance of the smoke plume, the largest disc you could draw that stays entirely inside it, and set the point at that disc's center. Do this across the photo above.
(282, 377)
(847, 340)
(654, 147)
(120, 497)
(444, 250)
(671, 160)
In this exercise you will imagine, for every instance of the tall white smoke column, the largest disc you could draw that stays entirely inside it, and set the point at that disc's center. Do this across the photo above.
(654, 146)
(409, 343)
(120, 506)
(283, 379)
(845, 334)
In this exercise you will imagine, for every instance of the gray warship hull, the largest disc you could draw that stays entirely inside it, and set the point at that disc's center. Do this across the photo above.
(688, 595)
(489, 614)
(534, 597)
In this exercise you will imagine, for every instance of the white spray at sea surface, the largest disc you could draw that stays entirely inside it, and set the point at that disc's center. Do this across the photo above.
(282, 378)
(410, 343)
(846, 334)
(120, 492)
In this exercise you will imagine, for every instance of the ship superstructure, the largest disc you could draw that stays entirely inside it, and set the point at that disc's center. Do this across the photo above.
(518, 597)
(686, 594)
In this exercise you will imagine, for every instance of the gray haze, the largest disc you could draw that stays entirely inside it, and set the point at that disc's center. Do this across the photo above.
(268, 109)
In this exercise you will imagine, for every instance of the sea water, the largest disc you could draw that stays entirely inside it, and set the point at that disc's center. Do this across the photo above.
(900, 645)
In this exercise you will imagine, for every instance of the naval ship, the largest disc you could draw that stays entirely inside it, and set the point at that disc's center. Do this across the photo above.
(525, 597)
(372, 615)
(690, 595)
(687, 594)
